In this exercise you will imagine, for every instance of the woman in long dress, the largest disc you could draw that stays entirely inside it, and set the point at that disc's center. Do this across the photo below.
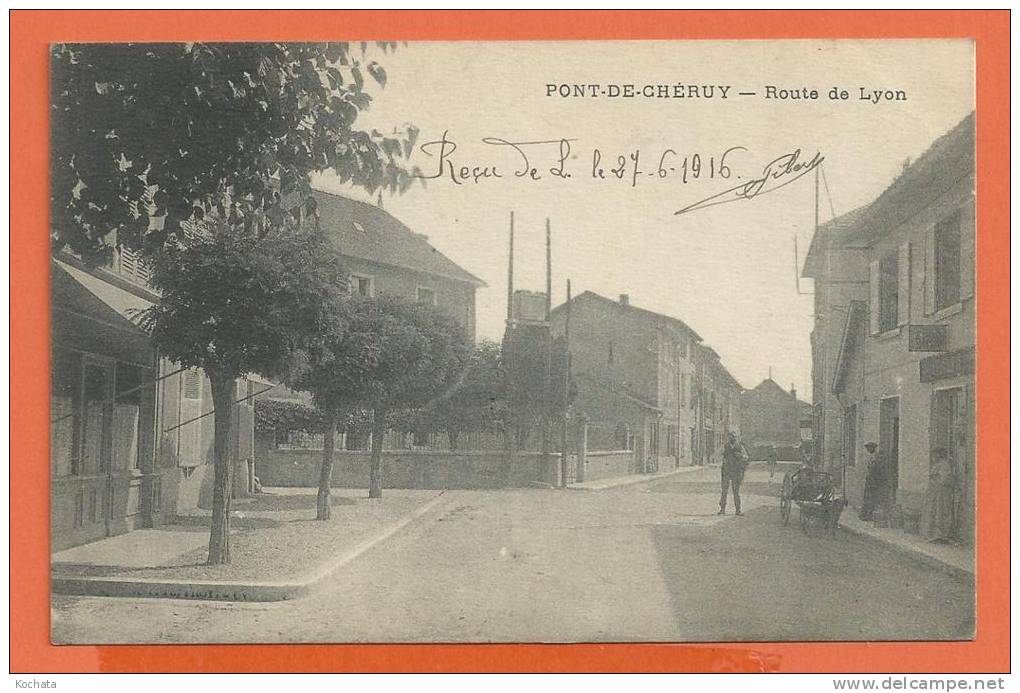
(940, 510)
(874, 483)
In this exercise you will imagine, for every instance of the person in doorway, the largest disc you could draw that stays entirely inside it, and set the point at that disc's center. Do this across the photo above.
(735, 459)
(874, 483)
(940, 500)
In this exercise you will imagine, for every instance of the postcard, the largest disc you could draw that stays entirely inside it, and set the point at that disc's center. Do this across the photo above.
(514, 341)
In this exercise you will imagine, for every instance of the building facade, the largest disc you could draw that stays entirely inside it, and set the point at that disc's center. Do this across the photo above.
(131, 433)
(383, 256)
(771, 416)
(717, 406)
(641, 377)
(901, 373)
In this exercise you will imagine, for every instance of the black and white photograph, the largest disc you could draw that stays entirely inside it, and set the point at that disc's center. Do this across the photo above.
(512, 342)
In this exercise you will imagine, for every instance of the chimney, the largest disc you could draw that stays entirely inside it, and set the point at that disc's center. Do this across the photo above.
(624, 299)
(793, 390)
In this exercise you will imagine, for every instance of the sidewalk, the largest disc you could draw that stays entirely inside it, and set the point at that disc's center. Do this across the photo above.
(616, 481)
(956, 559)
(278, 549)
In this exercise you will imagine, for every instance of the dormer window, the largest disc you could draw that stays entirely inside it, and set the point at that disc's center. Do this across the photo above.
(362, 285)
(426, 296)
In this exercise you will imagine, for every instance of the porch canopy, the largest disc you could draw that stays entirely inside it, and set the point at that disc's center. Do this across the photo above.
(93, 315)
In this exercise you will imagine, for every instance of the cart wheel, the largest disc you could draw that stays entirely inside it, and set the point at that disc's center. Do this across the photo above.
(785, 499)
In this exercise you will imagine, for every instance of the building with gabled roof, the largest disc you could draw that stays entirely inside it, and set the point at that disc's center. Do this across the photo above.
(641, 380)
(893, 345)
(383, 255)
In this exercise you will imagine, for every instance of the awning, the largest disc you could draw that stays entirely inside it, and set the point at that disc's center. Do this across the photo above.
(120, 308)
(854, 317)
(93, 315)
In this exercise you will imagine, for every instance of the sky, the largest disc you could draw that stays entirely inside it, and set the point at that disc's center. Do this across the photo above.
(729, 270)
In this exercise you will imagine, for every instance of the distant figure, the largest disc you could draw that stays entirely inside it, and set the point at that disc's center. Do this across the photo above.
(940, 503)
(735, 459)
(772, 458)
(874, 483)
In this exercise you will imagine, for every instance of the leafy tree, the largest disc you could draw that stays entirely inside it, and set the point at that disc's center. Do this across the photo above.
(153, 141)
(533, 398)
(233, 303)
(476, 404)
(148, 136)
(392, 356)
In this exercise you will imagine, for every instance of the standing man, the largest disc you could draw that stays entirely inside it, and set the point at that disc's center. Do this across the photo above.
(735, 459)
(772, 457)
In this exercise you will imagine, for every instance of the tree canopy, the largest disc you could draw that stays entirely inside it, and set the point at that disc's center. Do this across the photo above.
(392, 355)
(234, 303)
(477, 403)
(146, 137)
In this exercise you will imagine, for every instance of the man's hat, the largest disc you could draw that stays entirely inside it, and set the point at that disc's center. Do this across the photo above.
(871, 447)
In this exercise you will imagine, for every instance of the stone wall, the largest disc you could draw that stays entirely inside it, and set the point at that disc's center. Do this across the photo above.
(427, 469)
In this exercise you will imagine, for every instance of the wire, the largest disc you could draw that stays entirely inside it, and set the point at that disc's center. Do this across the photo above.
(828, 195)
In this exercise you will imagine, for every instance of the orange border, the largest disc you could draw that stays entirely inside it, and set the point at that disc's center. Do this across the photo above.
(31, 31)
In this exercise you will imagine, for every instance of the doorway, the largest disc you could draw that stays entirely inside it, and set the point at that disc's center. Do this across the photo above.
(949, 430)
(889, 441)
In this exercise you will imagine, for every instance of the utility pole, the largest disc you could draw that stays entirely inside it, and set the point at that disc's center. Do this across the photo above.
(547, 380)
(566, 394)
(512, 400)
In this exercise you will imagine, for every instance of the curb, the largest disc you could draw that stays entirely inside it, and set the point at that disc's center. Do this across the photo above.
(923, 558)
(231, 591)
(639, 479)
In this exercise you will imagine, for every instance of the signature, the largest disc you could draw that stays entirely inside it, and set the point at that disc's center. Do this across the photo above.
(776, 174)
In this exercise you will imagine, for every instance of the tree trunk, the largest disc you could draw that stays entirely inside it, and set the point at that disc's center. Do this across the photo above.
(223, 391)
(375, 468)
(323, 503)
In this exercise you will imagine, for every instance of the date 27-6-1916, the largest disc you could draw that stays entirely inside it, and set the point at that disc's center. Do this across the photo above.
(670, 164)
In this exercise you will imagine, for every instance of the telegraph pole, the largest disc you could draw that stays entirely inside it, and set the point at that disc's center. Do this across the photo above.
(547, 381)
(566, 394)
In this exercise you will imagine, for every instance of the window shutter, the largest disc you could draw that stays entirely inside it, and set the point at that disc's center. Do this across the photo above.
(967, 253)
(903, 303)
(929, 271)
(873, 306)
(190, 449)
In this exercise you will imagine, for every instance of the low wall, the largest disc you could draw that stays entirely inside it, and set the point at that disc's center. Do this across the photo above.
(429, 469)
(422, 469)
(605, 464)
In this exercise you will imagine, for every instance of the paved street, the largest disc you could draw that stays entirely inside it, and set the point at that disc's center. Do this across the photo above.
(643, 562)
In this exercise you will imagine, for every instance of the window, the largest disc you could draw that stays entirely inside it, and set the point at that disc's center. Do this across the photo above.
(426, 296)
(126, 416)
(947, 262)
(96, 398)
(65, 413)
(888, 292)
(131, 266)
(850, 435)
(79, 508)
(362, 286)
(157, 495)
(683, 390)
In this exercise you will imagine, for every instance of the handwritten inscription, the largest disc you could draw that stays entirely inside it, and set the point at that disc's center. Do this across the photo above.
(776, 174)
(534, 160)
